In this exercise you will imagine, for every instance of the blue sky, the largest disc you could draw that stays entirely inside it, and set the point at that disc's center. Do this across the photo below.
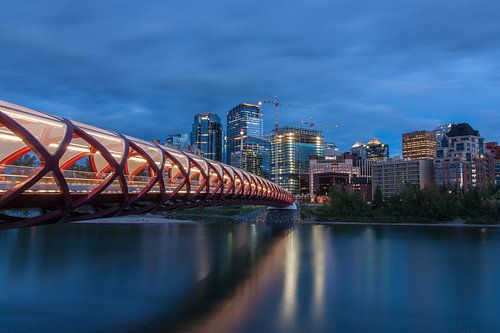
(376, 68)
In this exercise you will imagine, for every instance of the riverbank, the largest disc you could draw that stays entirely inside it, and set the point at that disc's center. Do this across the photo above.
(405, 224)
(479, 206)
(136, 219)
(321, 217)
(158, 219)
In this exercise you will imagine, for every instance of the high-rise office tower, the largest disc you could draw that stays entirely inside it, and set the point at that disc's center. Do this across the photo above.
(325, 173)
(291, 148)
(358, 155)
(178, 141)
(206, 135)
(359, 149)
(255, 157)
(419, 145)
(494, 150)
(243, 121)
(331, 150)
(461, 159)
(376, 150)
(440, 132)
(246, 146)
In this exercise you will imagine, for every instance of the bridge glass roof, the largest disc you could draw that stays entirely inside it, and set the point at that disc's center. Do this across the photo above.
(48, 130)
(112, 142)
(81, 165)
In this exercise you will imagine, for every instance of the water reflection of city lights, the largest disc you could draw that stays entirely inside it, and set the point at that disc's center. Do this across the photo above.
(319, 263)
(289, 301)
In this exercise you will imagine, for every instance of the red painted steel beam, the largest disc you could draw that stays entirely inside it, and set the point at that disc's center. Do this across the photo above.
(218, 184)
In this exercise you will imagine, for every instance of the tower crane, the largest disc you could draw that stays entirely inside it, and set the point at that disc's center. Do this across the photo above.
(276, 102)
(311, 124)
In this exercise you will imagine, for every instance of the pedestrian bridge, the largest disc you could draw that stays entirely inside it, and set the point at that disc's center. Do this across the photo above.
(54, 170)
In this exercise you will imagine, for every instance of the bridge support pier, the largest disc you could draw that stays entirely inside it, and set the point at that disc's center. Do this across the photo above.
(273, 215)
(286, 215)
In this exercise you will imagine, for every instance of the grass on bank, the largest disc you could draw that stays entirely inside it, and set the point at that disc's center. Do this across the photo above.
(219, 210)
(431, 205)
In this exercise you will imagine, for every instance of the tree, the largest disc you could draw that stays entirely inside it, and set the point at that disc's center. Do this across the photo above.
(378, 198)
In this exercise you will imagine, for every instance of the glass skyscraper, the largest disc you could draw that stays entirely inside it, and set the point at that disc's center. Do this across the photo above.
(246, 147)
(255, 156)
(376, 150)
(206, 135)
(291, 148)
(243, 120)
(178, 141)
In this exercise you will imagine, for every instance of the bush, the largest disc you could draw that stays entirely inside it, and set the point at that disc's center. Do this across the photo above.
(413, 206)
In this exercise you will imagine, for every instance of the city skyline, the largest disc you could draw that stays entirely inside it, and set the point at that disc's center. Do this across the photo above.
(250, 166)
(342, 65)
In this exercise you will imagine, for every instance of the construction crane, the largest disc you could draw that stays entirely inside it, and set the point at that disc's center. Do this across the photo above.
(276, 102)
(308, 122)
(311, 124)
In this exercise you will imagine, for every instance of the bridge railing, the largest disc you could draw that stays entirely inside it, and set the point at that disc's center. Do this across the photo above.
(82, 166)
(80, 181)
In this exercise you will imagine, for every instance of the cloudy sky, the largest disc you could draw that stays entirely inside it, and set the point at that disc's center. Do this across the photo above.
(144, 68)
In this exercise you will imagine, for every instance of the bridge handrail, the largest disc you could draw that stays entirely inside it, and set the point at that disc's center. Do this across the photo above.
(44, 153)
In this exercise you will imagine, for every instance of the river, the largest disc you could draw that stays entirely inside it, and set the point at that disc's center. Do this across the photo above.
(224, 277)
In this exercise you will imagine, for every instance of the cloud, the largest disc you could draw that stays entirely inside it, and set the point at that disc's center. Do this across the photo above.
(376, 68)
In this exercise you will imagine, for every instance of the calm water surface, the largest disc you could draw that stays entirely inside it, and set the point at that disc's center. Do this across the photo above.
(248, 278)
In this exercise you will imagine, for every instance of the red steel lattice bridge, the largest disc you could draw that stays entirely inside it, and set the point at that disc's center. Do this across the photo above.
(64, 170)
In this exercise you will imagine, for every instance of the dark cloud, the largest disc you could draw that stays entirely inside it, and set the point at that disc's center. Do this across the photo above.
(377, 68)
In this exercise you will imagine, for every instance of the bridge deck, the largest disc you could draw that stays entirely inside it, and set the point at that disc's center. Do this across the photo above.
(60, 165)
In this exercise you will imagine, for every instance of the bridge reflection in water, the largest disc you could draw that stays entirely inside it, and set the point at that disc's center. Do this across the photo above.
(249, 278)
(71, 171)
(147, 278)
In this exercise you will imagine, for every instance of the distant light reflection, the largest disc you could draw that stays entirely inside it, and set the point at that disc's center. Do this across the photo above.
(371, 263)
(249, 295)
(203, 258)
(319, 263)
(289, 301)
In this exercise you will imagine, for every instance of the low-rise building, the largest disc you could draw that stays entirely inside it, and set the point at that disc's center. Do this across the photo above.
(395, 175)
(361, 185)
(327, 173)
